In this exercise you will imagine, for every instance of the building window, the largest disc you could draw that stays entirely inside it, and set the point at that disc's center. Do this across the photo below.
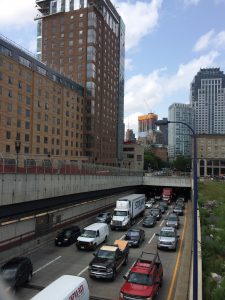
(10, 81)
(26, 150)
(27, 113)
(27, 137)
(8, 135)
(27, 125)
(38, 127)
(10, 94)
(7, 148)
(38, 139)
(45, 140)
(18, 123)
(9, 107)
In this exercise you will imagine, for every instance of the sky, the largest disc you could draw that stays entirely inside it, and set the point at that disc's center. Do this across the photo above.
(167, 42)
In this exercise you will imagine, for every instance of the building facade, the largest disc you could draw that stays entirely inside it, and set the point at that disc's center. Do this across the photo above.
(84, 39)
(130, 136)
(40, 108)
(133, 156)
(207, 98)
(179, 135)
(211, 154)
(147, 128)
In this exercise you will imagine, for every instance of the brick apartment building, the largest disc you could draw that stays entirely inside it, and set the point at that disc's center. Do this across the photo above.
(40, 108)
(84, 39)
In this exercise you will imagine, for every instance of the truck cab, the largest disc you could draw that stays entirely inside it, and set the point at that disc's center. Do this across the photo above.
(109, 259)
(144, 278)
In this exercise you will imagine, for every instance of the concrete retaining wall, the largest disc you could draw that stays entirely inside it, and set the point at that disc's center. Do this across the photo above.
(17, 188)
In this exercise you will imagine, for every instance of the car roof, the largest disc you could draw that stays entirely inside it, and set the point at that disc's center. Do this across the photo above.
(96, 226)
(16, 260)
(71, 228)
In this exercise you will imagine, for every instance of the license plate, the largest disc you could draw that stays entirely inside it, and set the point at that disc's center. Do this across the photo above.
(82, 247)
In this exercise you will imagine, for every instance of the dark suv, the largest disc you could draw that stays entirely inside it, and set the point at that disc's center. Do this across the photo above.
(135, 237)
(16, 272)
(67, 236)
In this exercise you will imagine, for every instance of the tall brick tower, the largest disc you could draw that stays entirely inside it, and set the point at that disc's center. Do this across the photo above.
(84, 40)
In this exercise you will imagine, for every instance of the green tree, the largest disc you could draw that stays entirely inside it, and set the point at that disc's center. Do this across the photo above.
(182, 164)
(152, 161)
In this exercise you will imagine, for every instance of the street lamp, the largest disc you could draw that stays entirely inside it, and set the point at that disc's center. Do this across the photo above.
(17, 148)
(195, 200)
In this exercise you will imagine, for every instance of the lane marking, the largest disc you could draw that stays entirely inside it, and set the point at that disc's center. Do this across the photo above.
(50, 262)
(140, 221)
(122, 237)
(177, 261)
(81, 272)
(151, 238)
(161, 223)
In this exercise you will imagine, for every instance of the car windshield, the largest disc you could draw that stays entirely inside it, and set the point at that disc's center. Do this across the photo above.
(178, 207)
(133, 233)
(172, 218)
(139, 278)
(88, 233)
(8, 274)
(101, 215)
(167, 233)
(106, 254)
(150, 219)
(120, 213)
(155, 210)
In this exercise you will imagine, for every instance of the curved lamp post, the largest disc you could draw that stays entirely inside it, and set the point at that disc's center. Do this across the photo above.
(195, 201)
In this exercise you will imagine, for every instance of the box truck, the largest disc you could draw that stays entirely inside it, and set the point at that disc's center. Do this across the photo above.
(127, 210)
(66, 287)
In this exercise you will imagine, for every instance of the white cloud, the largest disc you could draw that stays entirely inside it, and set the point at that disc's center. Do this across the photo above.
(211, 39)
(16, 13)
(147, 93)
(204, 41)
(140, 19)
(131, 122)
(191, 2)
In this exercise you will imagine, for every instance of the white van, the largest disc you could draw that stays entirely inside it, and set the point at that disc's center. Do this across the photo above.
(92, 236)
(66, 287)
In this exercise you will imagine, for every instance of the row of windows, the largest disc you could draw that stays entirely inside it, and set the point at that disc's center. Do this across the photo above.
(45, 151)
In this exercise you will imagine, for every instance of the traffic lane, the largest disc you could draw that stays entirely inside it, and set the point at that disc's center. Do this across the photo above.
(72, 262)
(110, 290)
(47, 267)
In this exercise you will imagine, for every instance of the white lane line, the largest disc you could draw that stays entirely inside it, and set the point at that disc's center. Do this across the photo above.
(151, 238)
(140, 221)
(82, 271)
(167, 213)
(122, 237)
(50, 262)
(161, 223)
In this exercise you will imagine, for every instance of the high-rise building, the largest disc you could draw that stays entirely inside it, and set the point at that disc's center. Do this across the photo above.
(179, 135)
(130, 136)
(207, 98)
(146, 128)
(84, 39)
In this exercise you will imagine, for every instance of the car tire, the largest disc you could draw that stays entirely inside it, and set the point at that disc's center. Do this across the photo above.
(29, 277)
(125, 261)
(114, 275)
(161, 281)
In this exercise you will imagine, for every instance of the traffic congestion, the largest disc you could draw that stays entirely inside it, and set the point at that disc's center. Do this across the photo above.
(135, 249)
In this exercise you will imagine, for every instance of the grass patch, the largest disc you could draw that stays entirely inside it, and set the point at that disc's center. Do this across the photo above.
(211, 198)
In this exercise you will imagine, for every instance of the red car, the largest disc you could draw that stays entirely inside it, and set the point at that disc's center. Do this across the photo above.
(144, 278)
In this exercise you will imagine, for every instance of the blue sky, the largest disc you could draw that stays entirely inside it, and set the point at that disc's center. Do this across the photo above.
(167, 42)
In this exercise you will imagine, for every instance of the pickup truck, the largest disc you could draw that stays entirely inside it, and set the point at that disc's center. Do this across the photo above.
(109, 259)
(144, 278)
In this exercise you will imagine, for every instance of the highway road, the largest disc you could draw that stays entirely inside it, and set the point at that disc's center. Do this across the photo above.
(50, 262)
